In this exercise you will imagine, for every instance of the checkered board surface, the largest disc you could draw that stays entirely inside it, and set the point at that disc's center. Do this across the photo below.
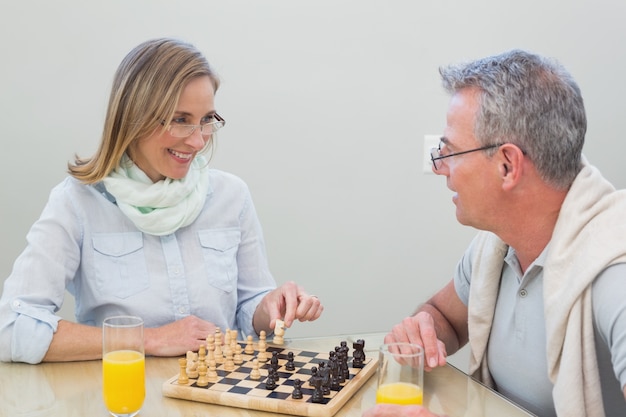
(237, 389)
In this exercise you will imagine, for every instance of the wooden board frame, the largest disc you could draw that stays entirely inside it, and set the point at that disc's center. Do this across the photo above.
(278, 400)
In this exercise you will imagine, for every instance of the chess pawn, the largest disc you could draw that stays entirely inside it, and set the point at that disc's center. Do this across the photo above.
(270, 382)
(238, 359)
(255, 374)
(313, 375)
(249, 346)
(235, 346)
(202, 380)
(290, 366)
(297, 389)
(262, 356)
(229, 364)
(212, 373)
(201, 355)
(274, 361)
(183, 379)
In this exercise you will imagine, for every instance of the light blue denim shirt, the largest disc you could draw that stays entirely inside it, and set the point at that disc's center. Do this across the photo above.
(216, 268)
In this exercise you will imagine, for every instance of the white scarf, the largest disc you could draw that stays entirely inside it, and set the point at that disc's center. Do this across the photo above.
(162, 207)
(589, 223)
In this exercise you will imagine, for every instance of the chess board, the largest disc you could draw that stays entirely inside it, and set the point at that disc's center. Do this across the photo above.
(237, 389)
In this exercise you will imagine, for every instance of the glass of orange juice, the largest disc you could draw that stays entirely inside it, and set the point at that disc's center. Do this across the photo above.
(123, 365)
(400, 374)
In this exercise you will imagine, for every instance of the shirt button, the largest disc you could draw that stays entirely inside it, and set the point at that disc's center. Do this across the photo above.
(16, 303)
(181, 310)
(523, 293)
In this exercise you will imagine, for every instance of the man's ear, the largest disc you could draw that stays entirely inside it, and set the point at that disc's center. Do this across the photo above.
(511, 164)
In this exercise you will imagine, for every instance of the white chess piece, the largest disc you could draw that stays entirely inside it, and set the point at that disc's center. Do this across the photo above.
(279, 332)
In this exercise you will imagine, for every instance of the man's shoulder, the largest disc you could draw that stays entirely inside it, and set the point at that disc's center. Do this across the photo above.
(609, 282)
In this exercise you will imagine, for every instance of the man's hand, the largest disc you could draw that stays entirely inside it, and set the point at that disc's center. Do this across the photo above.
(393, 410)
(420, 330)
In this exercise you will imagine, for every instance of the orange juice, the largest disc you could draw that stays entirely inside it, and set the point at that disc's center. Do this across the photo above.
(399, 393)
(123, 381)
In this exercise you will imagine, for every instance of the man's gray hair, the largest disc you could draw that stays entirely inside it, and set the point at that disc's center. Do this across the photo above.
(530, 101)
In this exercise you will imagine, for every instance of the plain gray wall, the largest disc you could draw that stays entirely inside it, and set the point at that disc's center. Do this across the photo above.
(327, 104)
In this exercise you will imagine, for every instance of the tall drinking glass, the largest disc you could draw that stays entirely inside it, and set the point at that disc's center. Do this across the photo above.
(400, 374)
(123, 365)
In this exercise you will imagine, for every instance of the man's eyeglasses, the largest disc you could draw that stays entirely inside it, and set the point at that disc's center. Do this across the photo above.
(206, 129)
(436, 156)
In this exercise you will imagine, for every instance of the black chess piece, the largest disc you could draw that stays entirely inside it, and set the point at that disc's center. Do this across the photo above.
(274, 361)
(324, 373)
(334, 371)
(313, 374)
(270, 382)
(275, 375)
(345, 369)
(358, 357)
(318, 393)
(345, 348)
(290, 366)
(297, 389)
(341, 377)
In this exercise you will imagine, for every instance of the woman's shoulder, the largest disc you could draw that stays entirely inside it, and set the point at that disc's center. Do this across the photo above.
(222, 178)
(71, 189)
(69, 185)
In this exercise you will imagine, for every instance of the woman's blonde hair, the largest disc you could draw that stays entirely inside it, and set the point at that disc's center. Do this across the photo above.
(145, 92)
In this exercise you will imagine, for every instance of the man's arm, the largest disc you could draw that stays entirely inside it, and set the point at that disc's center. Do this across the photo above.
(439, 325)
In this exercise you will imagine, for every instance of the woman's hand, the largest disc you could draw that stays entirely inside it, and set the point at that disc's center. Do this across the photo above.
(289, 302)
(177, 338)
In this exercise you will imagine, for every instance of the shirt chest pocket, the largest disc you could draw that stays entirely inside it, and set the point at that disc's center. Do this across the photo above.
(120, 264)
(219, 249)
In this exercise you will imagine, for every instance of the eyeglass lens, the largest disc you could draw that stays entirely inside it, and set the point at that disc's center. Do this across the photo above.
(182, 131)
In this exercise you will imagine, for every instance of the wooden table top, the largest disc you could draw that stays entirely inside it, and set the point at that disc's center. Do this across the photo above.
(75, 389)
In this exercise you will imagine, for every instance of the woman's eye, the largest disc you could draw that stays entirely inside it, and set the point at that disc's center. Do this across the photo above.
(207, 119)
(179, 120)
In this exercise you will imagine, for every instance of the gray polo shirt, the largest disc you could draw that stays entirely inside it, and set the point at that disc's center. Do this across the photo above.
(517, 344)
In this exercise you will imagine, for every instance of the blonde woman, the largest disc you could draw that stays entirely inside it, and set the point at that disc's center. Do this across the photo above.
(144, 227)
